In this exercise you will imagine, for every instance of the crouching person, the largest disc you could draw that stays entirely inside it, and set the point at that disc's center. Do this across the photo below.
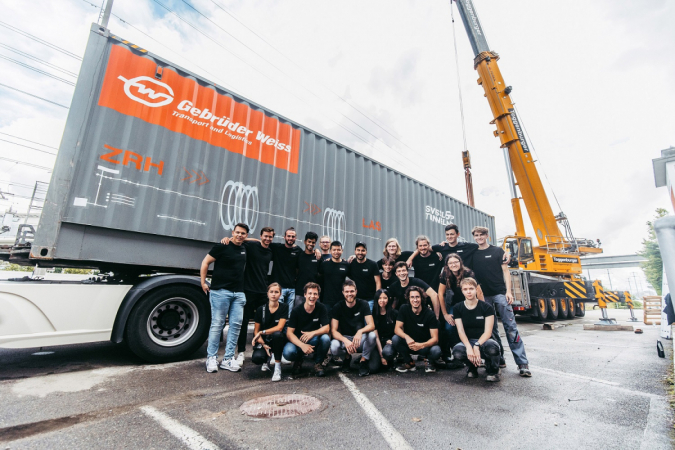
(268, 336)
(353, 330)
(307, 333)
(384, 317)
(474, 320)
(416, 332)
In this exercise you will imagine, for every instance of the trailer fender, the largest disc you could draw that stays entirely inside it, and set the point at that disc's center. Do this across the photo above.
(138, 291)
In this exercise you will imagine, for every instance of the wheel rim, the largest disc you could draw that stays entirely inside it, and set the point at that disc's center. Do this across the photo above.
(570, 307)
(553, 305)
(173, 321)
(563, 306)
(582, 306)
(542, 306)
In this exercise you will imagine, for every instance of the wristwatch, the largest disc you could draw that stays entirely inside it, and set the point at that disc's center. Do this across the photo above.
(477, 344)
(264, 332)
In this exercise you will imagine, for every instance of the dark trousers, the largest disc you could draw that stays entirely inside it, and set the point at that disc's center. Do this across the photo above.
(489, 351)
(375, 362)
(253, 301)
(276, 341)
(431, 353)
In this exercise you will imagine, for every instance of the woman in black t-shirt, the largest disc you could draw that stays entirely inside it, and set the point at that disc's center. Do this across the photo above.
(384, 317)
(270, 320)
(451, 277)
(392, 249)
(387, 276)
(474, 320)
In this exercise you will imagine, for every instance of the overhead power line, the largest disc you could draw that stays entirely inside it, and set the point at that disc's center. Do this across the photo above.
(41, 41)
(32, 142)
(49, 169)
(41, 61)
(26, 146)
(33, 95)
(35, 69)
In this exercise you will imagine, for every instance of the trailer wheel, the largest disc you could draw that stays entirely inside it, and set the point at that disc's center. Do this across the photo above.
(552, 309)
(168, 324)
(580, 310)
(562, 308)
(571, 310)
(541, 309)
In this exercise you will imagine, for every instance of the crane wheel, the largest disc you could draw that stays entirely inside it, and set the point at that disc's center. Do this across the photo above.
(553, 309)
(540, 309)
(580, 310)
(571, 309)
(562, 308)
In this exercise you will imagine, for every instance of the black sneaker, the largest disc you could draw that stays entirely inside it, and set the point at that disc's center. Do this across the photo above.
(297, 367)
(502, 363)
(346, 364)
(454, 364)
(524, 370)
(318, 370)
(493, 378)
(472, 372)
(429, 366)
(364, 370)
(407, 367)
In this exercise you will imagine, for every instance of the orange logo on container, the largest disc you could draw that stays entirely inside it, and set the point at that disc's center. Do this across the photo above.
(181, 105)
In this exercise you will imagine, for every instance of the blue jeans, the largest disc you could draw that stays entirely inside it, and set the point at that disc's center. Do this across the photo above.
(498, 302)
(225, 303)
(489, 351)
(431, 353)
(320, 343)
(288, 297)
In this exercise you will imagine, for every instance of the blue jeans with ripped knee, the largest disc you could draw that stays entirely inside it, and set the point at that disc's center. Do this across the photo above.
(499, 303)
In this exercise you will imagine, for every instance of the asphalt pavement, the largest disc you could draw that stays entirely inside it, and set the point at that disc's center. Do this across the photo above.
(589, 390)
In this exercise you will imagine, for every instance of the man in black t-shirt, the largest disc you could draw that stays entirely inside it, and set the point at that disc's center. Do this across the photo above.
(416, 333)
(285, 266)
(324, 244)
(308, 267)
(332, 274)
(308, 330)
(365, 274)
(493, 275)
(226, 294)
(453, 245)
(427, 264)
(353, 329)
(397, 288)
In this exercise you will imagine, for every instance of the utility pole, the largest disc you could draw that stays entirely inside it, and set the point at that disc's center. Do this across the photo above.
(105, 13)
(610, 281)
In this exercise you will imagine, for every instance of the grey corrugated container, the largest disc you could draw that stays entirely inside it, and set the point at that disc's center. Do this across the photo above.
(137, 217)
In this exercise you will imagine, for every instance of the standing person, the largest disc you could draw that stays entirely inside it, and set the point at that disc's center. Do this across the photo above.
(365, 274)
(452, 245)
(493, 275)
(332, 274)
(308, 267)
(397, 288)
(268, 336)
(475, 319)
(226, 295)
(259, 255)
(384, 317)
(416, 333)
(308, 332)
(392, 249)
(387, 276)
(353, 329)
(427, 264)
(285, 266)
(324, 243)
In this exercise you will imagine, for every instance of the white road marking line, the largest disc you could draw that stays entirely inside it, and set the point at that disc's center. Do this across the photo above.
(391, 435)
(573, 375)
(190, 437)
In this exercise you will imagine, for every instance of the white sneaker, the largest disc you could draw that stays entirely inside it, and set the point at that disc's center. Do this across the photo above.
(285, 361)
(230, 364)
(277, 372)
(265, 367)
(212, 364)
(240, 359)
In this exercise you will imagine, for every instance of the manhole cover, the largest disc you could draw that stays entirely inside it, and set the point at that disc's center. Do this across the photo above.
(280, 406)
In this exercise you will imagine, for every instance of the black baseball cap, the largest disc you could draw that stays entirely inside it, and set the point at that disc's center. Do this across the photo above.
(361, 244)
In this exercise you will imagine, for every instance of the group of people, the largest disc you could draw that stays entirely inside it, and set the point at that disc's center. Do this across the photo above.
(315, 302)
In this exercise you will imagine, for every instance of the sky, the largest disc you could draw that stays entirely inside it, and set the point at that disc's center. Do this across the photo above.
(590, 81)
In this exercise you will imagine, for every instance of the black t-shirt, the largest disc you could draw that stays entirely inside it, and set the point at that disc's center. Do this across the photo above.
(228, 269)
(417, 326)
(271, 319)
(396, 290)
(363, 274)
(385, 330)
(332, 274)
(473, 320)
(386, 283)
(457, 294)
(351, 319)
(428, 269)
(255, 275)
(308, 271)
(402, 257)
(301, 320)
(285, 267)
(465, 250)
(487, 265)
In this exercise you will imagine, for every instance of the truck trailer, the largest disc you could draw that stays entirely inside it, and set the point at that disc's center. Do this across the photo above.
(157, 164)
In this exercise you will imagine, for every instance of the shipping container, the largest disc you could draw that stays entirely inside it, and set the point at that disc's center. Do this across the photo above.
(157, 163)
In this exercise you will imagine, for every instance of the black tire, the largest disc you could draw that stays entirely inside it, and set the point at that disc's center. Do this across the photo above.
(552, 308)
(169, 323)
(571, 309)
(540, 309)
(580, 309)
(562, 308)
